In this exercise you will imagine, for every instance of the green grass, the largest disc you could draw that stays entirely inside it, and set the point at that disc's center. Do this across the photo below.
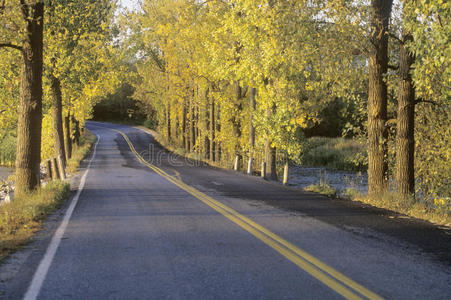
(335, 153)
(323, 189)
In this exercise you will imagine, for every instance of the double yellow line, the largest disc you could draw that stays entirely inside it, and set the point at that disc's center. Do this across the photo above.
(313, 266)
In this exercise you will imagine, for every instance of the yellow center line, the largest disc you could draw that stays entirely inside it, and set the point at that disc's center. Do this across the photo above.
(327, 275)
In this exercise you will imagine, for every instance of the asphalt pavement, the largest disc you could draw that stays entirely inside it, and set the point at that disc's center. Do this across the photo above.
(149, 224)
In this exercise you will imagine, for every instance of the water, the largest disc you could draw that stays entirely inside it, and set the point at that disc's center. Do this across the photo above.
(340, 180)
(5, 172)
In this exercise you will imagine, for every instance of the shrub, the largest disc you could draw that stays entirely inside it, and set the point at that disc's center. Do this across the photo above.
(7, 149)
(335, 153)
(322, 188)
(149, 123)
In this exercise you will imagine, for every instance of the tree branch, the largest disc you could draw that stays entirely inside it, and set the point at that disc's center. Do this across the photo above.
(396, 38)
(9, 45)
(421, 100)
(392, 67)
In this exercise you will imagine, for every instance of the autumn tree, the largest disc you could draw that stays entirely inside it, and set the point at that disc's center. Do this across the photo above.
(30, 44)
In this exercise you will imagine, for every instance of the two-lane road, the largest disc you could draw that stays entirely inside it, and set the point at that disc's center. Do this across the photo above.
(150, 225)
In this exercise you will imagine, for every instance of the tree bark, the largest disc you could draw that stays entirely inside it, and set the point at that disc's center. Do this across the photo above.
(270, 152)
(184, 131)
(251, 118)
(192, 133)
(57, 112)
(212, 129)
(76, 131)
(68, 140)
(168, 121)
(30, 108)
(405, 141)
(191, 126)
(237, 113)
(377, 99)
(207, 125)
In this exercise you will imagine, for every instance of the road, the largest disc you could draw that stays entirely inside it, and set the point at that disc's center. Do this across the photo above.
(151, 225)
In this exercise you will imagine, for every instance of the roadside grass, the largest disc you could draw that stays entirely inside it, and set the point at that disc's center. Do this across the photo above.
(323, 189)
(335, 153)
(440, 215)
(80, 152)
(353, 157)
(24, 215)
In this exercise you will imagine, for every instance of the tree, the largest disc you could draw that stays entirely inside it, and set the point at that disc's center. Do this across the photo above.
(28, 155)
(405, 142)
(377, 98)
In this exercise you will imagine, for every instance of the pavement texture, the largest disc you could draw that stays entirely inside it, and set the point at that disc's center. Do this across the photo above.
(136, 235)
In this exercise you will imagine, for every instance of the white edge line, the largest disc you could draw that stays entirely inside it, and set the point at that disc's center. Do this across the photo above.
(44, 265)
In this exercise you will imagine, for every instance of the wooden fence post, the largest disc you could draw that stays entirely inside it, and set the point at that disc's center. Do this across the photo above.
(237, 163)
(249, 165)
(285, 174)
(48, 166)
(263, 170)
(55, 169)
(61, 168)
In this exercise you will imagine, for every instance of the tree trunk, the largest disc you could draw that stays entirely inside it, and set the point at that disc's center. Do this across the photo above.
(191, 126)
(270, 152)
(76, 131)
(57, 111)
(207, 125)
(168, 121)
(218, 148)
(251, 118)
(212, 129)
(192, 133)
(67, 138)
(184, 131)
(270, 157)
(30, 108)
(405, 142)
(377, 99)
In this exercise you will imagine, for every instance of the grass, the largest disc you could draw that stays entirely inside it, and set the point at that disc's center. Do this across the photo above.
(24, 215)
(407, 206)
(335, 153)
(80, 152)
(323, 189)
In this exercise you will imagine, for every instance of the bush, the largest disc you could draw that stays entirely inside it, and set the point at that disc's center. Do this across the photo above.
(150, 123)
(322, 188)
(7, 150)
(335, 153)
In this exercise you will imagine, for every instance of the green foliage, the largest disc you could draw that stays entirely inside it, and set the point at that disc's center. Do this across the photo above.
(433, 152)
(334, 153)
(7, 149)
(150, 123)
(119, 106)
